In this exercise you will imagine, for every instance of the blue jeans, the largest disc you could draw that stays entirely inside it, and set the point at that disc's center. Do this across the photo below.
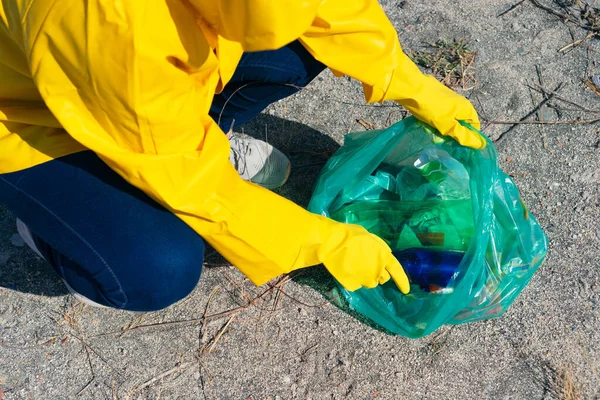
(107, 239)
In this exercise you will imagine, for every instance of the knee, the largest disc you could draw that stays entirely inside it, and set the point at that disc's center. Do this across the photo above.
(166, 275)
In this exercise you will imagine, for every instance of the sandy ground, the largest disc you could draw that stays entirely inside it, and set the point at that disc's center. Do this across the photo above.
(293, 344)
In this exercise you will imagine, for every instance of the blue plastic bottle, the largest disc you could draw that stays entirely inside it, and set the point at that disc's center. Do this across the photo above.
(431, 270)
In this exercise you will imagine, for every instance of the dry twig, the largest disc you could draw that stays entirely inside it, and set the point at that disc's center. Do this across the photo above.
(562, 383)
(276, 286)
(301, 302)
(545, 96)
(439, 341)
(592, 86)
(100, 356)
(366, 124)
(71, 315)
(524, 120)
(220, 333)
(178, 368)
(577, 42)
(565, 17)
(137, 321)
(93, 378)
(511, 8)
(203, 330)
(212, 317)
(529, 122)
(541, 89)
(305, 352)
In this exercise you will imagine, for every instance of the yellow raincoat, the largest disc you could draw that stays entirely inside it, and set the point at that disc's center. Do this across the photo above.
(133, 81)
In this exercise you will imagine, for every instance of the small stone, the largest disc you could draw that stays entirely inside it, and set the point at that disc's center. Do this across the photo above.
(287, 379)
(548, 114)
(16, 240)
(4, 259)
(335, 333)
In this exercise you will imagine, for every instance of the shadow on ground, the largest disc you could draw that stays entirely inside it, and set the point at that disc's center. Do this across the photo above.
(25, 273)
(308, 150)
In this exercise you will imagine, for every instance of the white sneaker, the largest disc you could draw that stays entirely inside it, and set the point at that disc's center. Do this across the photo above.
(259, 162)
(25, 234)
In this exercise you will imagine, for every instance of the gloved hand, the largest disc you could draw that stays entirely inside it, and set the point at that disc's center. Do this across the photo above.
(430, 101)
(357, 258)
(442, 108)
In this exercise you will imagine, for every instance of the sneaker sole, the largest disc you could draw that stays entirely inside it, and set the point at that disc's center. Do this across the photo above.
(287, 176)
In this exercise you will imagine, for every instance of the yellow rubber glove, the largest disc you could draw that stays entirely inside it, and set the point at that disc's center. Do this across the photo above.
(357, 258)
(442, 108)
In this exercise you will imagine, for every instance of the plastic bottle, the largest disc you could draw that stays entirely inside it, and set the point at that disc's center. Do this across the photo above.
(431, 270)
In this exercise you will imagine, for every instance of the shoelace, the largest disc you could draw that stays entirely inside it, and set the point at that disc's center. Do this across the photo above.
(240, 148)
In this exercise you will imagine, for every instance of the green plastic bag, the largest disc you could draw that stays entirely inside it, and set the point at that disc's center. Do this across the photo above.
(418, 190)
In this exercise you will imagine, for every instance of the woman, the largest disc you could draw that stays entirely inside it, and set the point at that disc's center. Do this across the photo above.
(113, 154)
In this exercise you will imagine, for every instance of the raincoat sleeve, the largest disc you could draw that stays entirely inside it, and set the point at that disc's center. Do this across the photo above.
(135, 86)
